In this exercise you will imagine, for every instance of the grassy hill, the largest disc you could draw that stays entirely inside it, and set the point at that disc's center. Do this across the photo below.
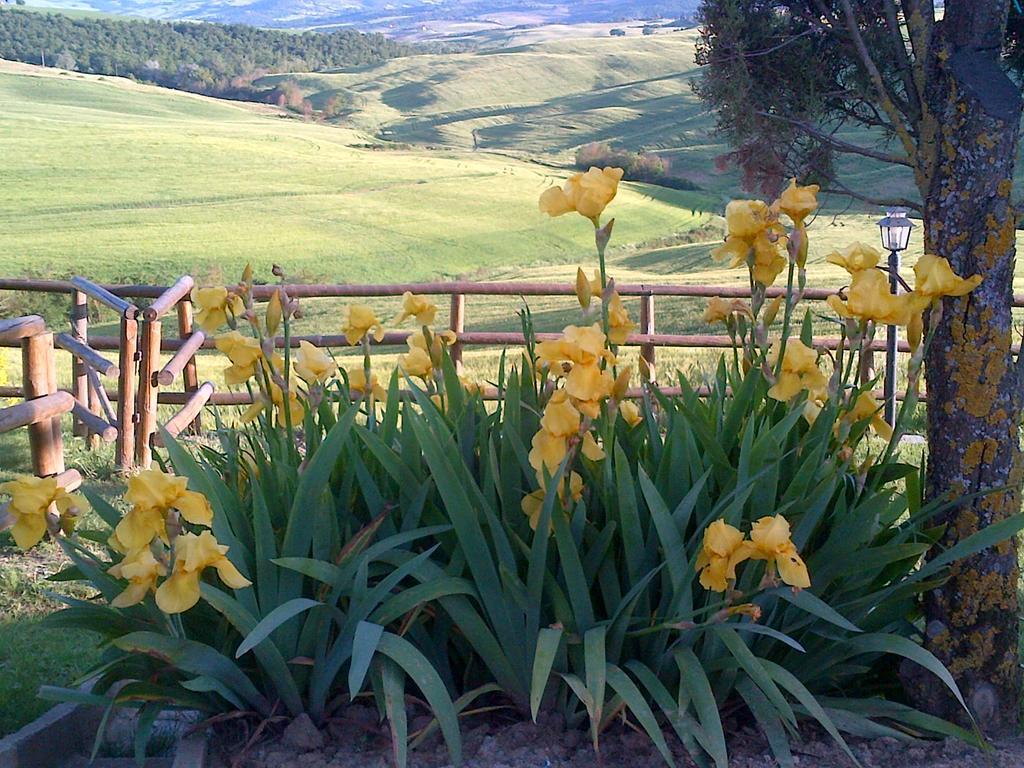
(544, 99)
(121, 181)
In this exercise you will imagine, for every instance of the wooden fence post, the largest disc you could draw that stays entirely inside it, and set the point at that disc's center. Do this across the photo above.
(39, 368)
(80, 332)
(129, 340)
(189, 374)
(149, 364)
(457, 323)
(648, 351)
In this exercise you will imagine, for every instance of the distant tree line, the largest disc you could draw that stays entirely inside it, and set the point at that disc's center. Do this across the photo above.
(214, 59)
(639, 166)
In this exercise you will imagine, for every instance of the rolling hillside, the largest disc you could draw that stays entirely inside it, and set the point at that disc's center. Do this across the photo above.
(121, 181)
(545, 99)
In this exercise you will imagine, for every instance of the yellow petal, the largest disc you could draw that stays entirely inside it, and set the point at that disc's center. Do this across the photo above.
(590, 448)
(274, 313)
(178, 593)
(560, 417)
(253, 412)
(28, 530)
(792, 569)
(630, 412)
(230, 575)
(554, 202)
(583, 292)
(195, 508)
(133, 594)
(140, 526)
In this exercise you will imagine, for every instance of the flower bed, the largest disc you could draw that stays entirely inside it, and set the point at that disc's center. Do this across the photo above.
(680, 567)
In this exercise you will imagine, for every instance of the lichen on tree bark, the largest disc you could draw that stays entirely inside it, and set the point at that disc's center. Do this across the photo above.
(973, 383)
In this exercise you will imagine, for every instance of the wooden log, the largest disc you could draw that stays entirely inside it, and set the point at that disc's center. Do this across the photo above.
(228, 399)
(186, 328)
(39, 380)
(496, 339)
(80, 332)
(167, 300)
(97, 392)
(181, 360)
(12, 331)
(648, 350)
(466, 287)
(37, 412)
(103, 296)
(457, 323)
(124, 454)
(95, 425)
(180, 421)
(88, 355)
(146, 402)
(70, 480)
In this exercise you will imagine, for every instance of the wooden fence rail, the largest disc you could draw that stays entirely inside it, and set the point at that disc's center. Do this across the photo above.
(128, 415)
(44, 403)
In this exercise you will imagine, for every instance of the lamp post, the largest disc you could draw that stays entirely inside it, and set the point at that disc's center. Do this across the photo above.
(895, 230)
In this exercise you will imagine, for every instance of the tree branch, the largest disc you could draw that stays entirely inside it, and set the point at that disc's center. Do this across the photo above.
(839, 145)
(838, 188)
(885, 99)
(914, 98)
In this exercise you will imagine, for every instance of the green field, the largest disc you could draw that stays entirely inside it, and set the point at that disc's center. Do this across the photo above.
(124, 182)
(541, 94)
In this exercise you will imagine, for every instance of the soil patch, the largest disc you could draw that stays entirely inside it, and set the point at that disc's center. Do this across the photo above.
(357, 740)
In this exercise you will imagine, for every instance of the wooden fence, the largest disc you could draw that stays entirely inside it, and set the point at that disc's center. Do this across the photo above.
(141, 379)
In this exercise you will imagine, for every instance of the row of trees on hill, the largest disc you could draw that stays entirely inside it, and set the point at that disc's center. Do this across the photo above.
(639, 166)
(215, 59)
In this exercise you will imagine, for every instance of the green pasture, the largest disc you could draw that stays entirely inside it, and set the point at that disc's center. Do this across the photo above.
(124, 182)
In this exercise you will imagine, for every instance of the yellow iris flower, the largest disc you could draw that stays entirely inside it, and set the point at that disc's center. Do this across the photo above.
(720, 310)
(296, 412)
(30, 502)
(770, 537)
(935, 278)
(856, 257)
(313, 364)
(212, 306)
(357, 383)
(192, 555)
(358, 320)
(723, 549)
(590, 448)
(141, 569)
(419, 307)
(153, 494)
(275, 313)
(752, 240)
(547, 451)
(799, 372)
(579, 344)
(630, 412)
(868, 298)
(588, 385)
(244, 352)
(867, 407)
(588, 194)
(560, 417)
(798, 202)
(533, 503)
(619, 324)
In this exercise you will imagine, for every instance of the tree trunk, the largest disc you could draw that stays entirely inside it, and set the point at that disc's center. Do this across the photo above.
(973, 385)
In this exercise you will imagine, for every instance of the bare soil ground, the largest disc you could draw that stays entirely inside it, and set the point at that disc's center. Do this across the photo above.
(356, 740)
